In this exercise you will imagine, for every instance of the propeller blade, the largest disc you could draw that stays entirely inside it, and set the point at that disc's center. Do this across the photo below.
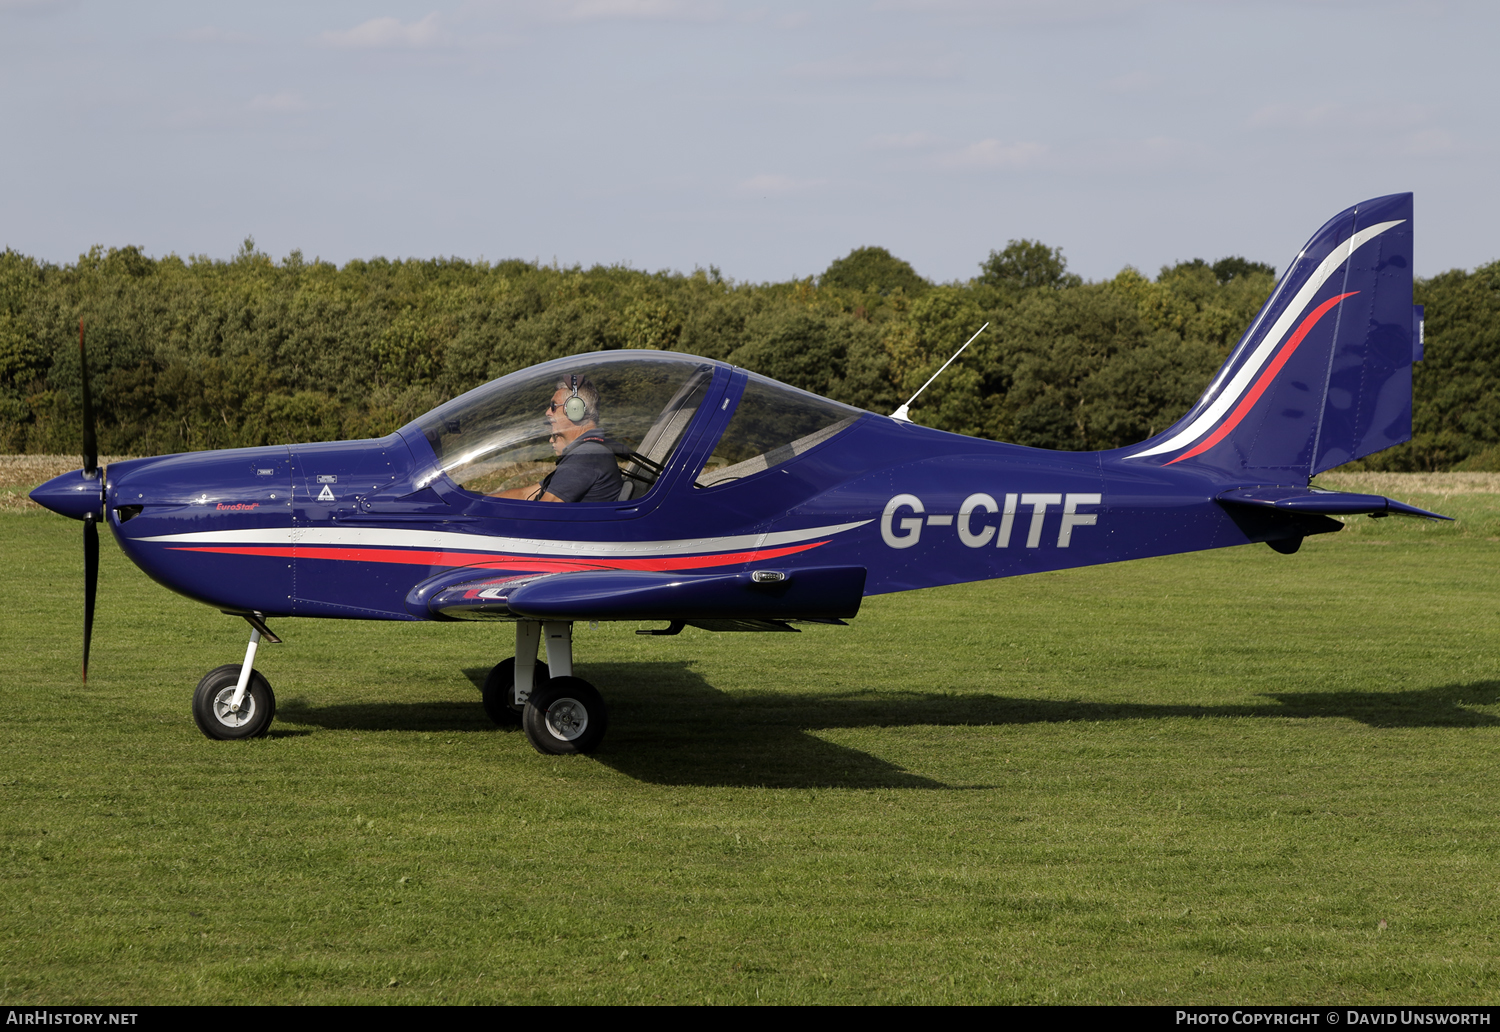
(90, 584)
(90, 440)
(90, 521)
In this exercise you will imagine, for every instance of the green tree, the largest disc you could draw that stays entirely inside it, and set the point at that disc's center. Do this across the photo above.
(1226, 269)
(831, 354)
(873, 269)
(651, 324)
(1053, 350)
(917, 345)
(1027, 265)
(197, 353)
(1456, 387)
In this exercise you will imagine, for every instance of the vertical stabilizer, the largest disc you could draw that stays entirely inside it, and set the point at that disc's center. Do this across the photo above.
(1323, 375)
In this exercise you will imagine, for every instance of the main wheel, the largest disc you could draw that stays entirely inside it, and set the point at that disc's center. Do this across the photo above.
(499, 691)
(567, 716)
(211, 701)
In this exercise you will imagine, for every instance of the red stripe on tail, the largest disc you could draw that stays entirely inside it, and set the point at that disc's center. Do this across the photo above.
(1253, 395)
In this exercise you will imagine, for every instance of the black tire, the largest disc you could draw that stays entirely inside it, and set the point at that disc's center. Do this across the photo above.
(499, 691)
(567, 716)
(211, 704)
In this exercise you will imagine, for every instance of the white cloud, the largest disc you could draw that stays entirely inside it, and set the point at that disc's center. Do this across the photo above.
(1087, 157)
(1132, 82)
(1016, 12)
(1405, 129)
(389, 34)
(35, 6)
(904, 141)
(1295, 116)
(641, 10)
(770, 185)
(283, 101)
(996, 154)
(212, 34)
(1152, 153)
(1332, 116)
(880, 66)
(232, 115)
(1429, 142)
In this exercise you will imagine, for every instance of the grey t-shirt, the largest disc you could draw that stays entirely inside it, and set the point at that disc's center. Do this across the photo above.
(586, 471)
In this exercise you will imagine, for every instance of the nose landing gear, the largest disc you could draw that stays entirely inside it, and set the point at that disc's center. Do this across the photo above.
(235, 701)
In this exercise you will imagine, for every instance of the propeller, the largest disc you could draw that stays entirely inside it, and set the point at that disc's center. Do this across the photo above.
(90, 519)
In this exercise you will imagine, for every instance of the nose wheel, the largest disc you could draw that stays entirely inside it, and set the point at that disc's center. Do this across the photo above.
(216, 712)
(236, 701)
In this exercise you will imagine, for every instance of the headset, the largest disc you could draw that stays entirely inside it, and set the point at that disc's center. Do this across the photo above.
(575, 408)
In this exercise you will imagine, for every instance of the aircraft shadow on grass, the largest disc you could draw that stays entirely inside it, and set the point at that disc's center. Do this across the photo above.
(670, 726)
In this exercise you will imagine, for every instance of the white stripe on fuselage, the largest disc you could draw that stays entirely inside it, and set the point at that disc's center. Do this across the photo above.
(1210, 416)
(444, 540)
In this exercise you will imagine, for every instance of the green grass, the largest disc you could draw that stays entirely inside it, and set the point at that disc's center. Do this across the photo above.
(1203, 778)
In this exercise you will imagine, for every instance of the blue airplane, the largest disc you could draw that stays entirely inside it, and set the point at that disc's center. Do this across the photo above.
(653, 486)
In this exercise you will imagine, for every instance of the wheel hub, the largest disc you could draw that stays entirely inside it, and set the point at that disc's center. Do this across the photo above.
(567, 719)
(228, 717)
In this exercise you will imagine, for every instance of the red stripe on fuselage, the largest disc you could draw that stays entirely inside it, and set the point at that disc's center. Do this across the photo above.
(1249, 400)
(528, 563)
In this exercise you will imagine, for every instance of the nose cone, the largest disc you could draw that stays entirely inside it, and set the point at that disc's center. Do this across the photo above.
(73, 495)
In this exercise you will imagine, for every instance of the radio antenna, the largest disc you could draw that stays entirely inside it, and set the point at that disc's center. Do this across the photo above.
(902, 413)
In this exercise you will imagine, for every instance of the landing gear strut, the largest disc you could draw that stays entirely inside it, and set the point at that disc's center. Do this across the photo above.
(560, 713)
(499, 692)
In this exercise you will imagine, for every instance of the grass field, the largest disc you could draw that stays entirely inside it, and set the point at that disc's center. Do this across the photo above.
(1227, 777)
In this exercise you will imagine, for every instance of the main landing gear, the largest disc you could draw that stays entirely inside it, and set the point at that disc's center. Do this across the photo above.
(560, 713)
(235, 700)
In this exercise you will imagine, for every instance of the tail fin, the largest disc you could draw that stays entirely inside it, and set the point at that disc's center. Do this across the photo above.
(1323, 375)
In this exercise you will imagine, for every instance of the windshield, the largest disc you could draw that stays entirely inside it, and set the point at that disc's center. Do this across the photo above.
(501, 437)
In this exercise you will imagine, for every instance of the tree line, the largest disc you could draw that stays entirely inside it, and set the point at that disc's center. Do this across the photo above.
(197, 353)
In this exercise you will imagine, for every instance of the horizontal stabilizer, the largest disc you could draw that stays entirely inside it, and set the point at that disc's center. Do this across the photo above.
(814, 593)
(1314, 502)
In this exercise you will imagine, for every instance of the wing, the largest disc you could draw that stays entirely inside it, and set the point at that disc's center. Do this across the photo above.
(715, 601)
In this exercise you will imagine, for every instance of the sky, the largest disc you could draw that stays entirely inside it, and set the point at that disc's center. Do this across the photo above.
(765, 139)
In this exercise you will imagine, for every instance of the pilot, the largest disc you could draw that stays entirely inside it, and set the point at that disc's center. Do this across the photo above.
(586, 468)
